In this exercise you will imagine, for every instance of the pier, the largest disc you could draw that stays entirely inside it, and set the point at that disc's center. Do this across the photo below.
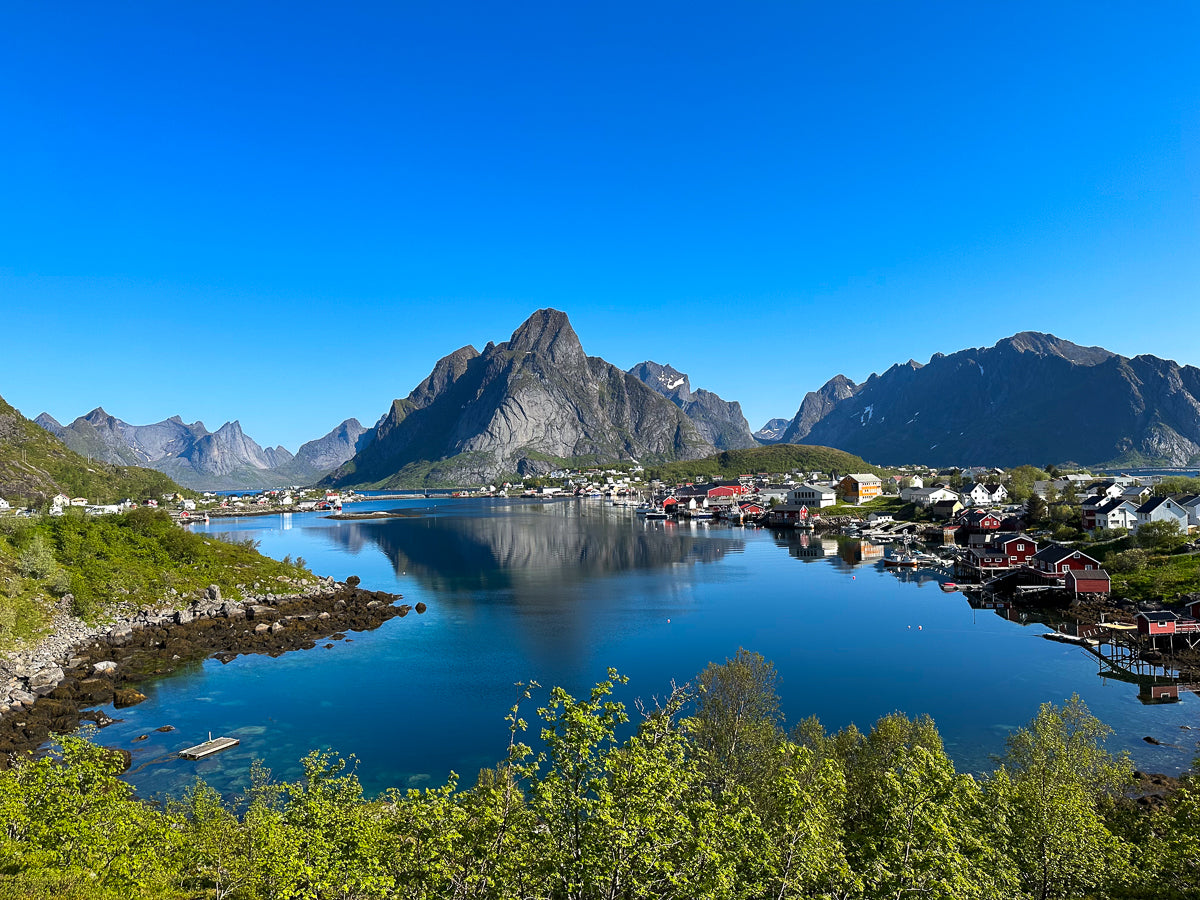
(209, 747)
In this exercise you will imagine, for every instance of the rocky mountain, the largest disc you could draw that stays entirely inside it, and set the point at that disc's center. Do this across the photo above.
(815, 406)
(51, 424)
(35, 465)
(524, 406)
(772, 432)
(720, 422)
(318, 458)
(226, 459)
(1032, 398)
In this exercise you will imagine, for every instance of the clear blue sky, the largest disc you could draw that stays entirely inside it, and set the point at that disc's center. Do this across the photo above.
(286, 213)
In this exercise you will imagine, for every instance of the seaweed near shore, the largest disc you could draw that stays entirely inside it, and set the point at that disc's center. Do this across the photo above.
(56, 698)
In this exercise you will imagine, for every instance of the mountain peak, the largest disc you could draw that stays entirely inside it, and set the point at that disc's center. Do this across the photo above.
(665, 379)
(548, 333)
(1041, 344)
(51, 424)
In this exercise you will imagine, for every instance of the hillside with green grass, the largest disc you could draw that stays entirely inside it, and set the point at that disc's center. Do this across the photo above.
(94, 566)
(35, 465)
(775, 458)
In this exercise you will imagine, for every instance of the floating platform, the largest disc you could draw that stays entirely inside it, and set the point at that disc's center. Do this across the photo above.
(209, 747)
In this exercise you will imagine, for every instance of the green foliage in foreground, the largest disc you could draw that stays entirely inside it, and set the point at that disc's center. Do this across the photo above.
(720, 804)
(106, 563)
(777, 458)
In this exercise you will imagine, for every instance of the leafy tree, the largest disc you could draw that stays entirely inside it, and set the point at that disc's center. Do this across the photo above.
(1160, 536)
(1035, 510)
(738, 721)
(1126, 561)
(1055, 784)
(70, 822)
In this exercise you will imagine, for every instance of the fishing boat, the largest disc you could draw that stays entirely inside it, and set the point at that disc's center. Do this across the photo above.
(949, 587)
(904, 561)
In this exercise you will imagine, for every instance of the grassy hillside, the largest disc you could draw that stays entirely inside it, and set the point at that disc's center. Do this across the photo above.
(35, 465)
(106, 563)
(773, 458)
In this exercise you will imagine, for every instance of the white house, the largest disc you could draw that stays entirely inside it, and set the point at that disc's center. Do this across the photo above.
(60, 500)
(981, 494)
(812, 495)
(928, 496)
(1190, 502)
(770, 492)
(1162, 509)
(1111, 513)
(1137, 493)
(3, 503)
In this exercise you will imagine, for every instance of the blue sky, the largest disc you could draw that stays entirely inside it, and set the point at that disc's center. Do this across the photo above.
(286, 213)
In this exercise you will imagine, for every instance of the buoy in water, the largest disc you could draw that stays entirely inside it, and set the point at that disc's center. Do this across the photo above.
(668, 621)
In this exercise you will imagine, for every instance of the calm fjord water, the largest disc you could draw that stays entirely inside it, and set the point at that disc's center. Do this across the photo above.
(557, 592)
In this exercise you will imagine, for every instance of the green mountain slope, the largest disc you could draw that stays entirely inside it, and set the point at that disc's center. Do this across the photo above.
(774, 458)
(35, 465)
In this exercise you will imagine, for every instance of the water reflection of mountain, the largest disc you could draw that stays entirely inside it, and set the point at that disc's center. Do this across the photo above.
(529, 545)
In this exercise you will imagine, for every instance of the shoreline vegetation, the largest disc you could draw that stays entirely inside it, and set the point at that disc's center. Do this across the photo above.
(711, 795)
(93, 605)
(707, 792)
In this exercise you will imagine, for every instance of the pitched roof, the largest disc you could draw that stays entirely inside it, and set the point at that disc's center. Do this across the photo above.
(1087, 575)
(1159, 615)
(1055, 553)
(1154, 503)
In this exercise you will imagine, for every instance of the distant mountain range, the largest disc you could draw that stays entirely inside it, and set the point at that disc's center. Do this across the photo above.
(526, 406)
(225, 459)
(537, 402)
(772, 432)
(35, 465)
(1032, 398)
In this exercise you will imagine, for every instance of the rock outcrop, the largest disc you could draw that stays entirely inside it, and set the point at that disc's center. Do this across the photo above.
(525, 406)
(816, 406)
(720, 422)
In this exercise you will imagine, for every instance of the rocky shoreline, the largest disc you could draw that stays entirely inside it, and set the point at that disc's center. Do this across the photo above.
(54, 687)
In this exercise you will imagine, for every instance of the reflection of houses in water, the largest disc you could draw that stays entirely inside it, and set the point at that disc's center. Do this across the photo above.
(807, 545)
(855, 553)
(1154, 694)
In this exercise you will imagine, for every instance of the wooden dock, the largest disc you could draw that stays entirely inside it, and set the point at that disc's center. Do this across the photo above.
(209, 747)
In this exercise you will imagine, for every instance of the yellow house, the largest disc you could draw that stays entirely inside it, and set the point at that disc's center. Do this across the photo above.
(860, 488)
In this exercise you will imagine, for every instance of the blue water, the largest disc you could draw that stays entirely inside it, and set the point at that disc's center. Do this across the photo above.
(557, 592)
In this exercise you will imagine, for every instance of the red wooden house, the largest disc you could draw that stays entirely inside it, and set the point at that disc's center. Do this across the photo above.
(1057, 559)
(1165, 621)
(1088, 581)
(1017, 548)
(975, 521)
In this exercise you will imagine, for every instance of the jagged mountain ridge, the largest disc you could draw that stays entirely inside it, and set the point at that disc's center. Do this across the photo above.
(815, 406)
(35, 464)
(719, 421)
(1031, 398)
(772, 432)
(227, 459)
(521, 406)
